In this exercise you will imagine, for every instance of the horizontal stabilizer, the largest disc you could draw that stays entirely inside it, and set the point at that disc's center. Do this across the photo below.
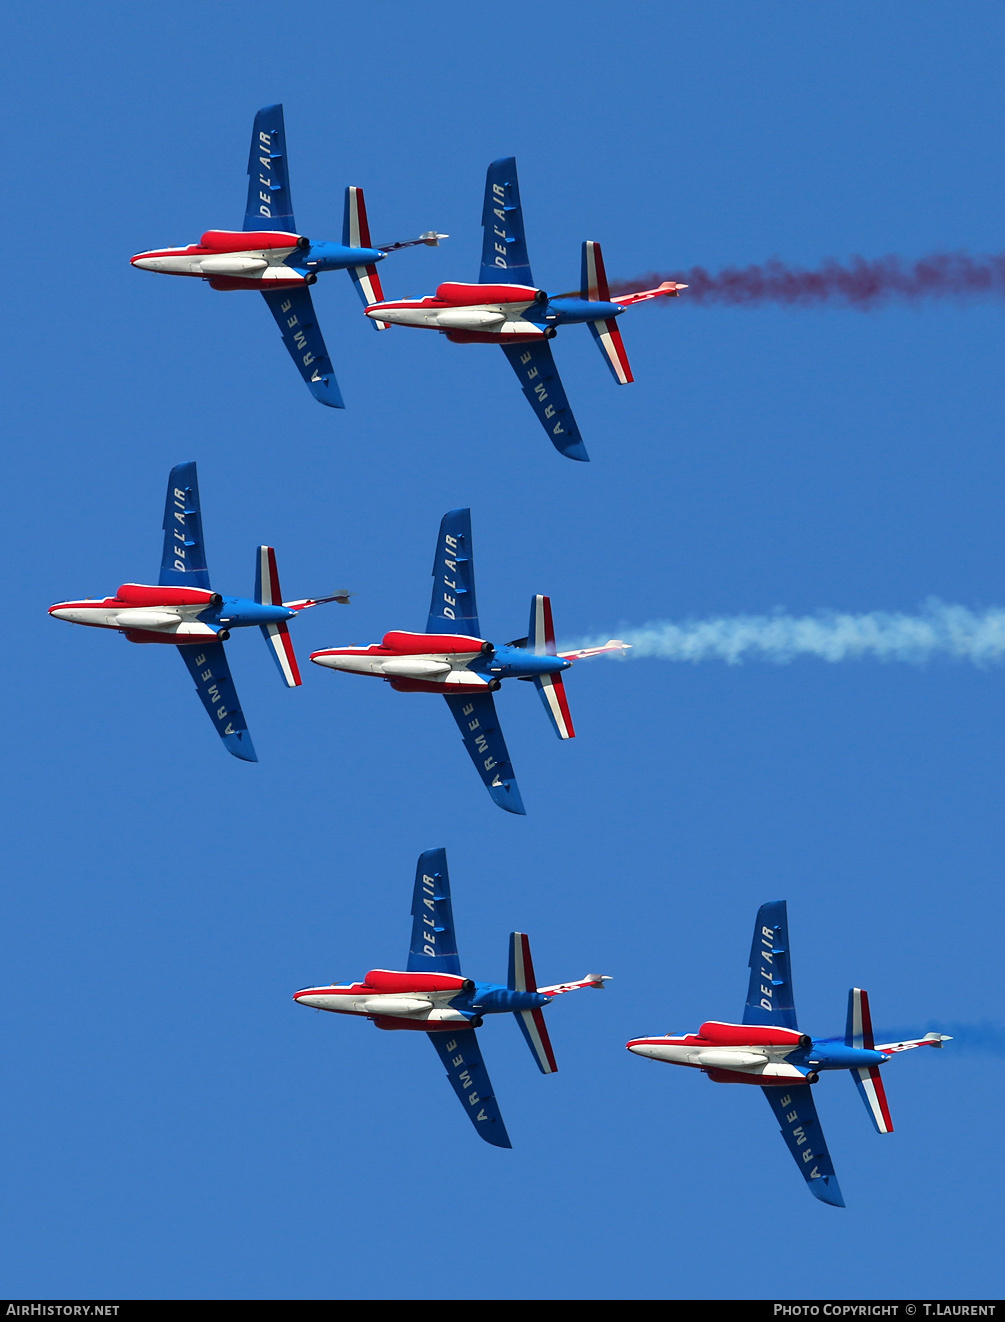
(535, 1034)
(356, 234)
(612, 346)
(873, 1094)
(593, 279)
(556, 703)
(521, 978)
(281, 646)
(277, 635)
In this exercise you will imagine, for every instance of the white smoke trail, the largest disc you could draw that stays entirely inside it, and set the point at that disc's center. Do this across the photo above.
(937, 630)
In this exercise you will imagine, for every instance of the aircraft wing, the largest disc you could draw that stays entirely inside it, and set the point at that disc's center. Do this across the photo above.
(504, 247)
(540, 382)
(294, 314)
(475, 714)
(433, 948)
(470, 1081)
(796, 1113)
(769, 994)
(207, 664)
(183, 559)
(269, 205)
(453, 608)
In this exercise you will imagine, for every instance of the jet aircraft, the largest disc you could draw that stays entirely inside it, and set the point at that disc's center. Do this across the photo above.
(433, 997)
(182, 609)
(506, 308)
(270, 255)
(768, 1049)
(452, 658)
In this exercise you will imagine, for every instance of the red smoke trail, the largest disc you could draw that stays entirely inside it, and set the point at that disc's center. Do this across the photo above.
(859, 283)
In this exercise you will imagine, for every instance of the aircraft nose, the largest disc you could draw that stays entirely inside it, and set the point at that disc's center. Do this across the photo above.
(144, 262)
(59, 612)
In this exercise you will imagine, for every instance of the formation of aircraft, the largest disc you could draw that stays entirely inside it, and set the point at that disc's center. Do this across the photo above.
(270, 255)
(183, 610)
(767, 1049)
(505, 307)
(453, 658)
(432, 996)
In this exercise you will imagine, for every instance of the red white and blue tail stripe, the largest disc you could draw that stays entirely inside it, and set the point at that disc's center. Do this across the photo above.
(858, 1033)
(521, 978)
(606, 333)
(541, 640)
(541, 634)
(871, 1089)
(356, 234)
(277, 635)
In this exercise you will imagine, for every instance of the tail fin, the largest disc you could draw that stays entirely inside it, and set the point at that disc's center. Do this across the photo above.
(541, 639)
(858, 1033)
(595, 289)
(532, 1025)
(268, 593)
(356, 234)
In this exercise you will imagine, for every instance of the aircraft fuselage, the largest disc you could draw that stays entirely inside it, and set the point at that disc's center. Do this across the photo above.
(153, 614)
(239, 259)
(744, 1053)
(427, 1002)
(495, 314)
(448, 663)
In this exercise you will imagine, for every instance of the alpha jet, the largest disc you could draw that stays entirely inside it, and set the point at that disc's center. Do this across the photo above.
(270, 255)
(452, 658)
(768, 1050)
(183, 610)
(433, 997)
(506, 308)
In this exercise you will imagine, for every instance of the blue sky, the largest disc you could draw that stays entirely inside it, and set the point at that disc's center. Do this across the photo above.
(177, 1126)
